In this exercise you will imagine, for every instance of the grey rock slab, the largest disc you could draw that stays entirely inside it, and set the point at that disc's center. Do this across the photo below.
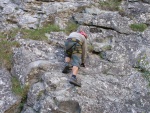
(106, 19)
(32, 57)
(7, 98)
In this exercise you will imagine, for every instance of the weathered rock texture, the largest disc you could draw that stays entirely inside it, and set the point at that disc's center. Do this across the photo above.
(8, 101)
(111, 80)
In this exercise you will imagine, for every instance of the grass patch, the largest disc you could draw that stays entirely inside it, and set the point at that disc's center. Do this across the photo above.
(21, 91)
(6, 49)
(102, 55)
(40, 94)
(8, 35)
(90, 48)
(141, 66)
(106, 47)
(138, 27)
(71, 26)
(145, 73)
(112, 5)
(122, 12)
(7, 41)
(39, 34)
(16, 87)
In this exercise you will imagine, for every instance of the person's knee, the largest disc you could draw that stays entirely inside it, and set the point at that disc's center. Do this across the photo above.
(67, 59)
(75, 67)
(76, 64)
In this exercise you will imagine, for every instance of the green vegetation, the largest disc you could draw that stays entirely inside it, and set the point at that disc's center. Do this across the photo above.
(7, 41)
(146, 74)
(123, 13)
(106, 47)
(141, 65)
(112, 5)
(90, 48)
(39, 34)
(102, 55)
(18, 90)
(40, 94)
(138, 27)
(71, 27)
(6, 49)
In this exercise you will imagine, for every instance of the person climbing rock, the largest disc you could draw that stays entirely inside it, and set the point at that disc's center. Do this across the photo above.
(75, 52)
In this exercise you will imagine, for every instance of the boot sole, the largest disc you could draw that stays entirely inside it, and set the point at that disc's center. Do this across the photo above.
(74, 83)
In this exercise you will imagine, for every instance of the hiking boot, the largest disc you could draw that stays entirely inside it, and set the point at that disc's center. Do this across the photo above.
(66, 69)
(74, 82)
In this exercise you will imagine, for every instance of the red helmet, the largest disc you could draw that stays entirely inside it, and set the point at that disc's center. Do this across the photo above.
(83, 33)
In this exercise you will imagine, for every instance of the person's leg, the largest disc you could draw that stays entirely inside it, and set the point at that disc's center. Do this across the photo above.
(76, 60)
(75, 70)
(66, 68)
(67, 59)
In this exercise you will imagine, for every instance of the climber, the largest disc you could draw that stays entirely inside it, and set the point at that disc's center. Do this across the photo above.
(75, 52)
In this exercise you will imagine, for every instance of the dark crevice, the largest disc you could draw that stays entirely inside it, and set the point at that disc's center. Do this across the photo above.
(106, 28)
(102, 55)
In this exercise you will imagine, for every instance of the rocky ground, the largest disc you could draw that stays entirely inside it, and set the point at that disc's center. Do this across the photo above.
(112, 81)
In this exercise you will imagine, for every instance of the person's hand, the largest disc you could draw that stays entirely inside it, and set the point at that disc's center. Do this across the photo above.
(82, 65)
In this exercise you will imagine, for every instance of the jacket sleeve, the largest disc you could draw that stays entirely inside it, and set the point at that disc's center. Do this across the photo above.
(84, 51)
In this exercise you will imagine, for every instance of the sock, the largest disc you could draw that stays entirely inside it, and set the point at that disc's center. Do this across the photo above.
(74, 76)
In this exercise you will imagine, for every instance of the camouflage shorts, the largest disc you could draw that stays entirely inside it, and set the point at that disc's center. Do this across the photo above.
(73, 51)
(76, 60)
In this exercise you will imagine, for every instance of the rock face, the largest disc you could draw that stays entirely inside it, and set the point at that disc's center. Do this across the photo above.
(32, 13)
(8, 99)
(118, 59)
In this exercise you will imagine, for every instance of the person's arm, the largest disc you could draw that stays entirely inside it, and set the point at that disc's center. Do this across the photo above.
(84, 51)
